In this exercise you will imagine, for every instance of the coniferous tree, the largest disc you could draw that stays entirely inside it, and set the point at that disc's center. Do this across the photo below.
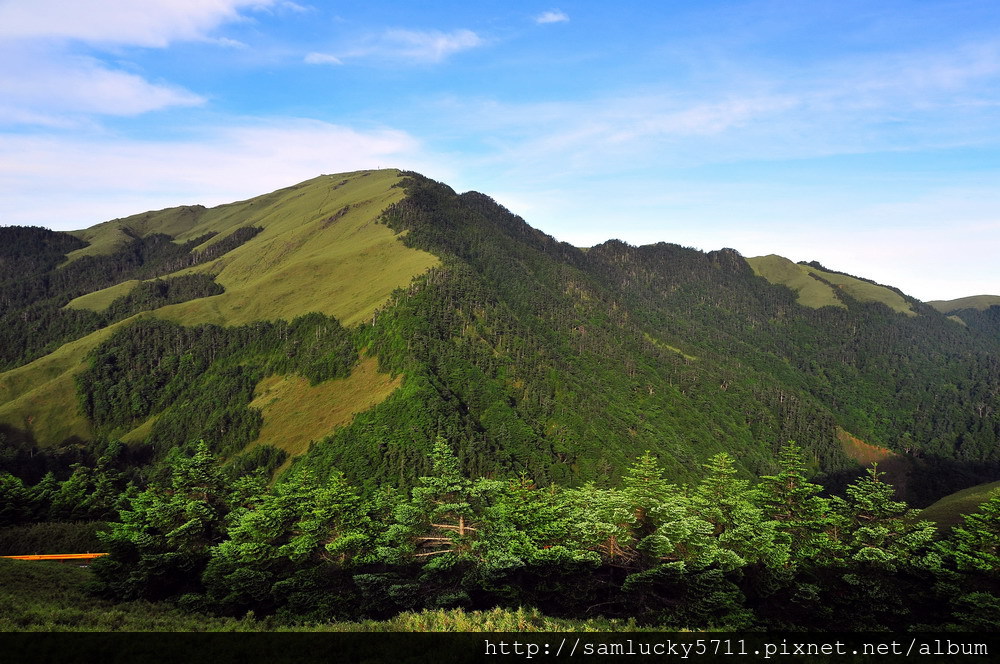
(161, 544)
(791, 500)
(973, 549)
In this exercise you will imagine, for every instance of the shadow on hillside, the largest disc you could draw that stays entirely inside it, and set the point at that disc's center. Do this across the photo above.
(919, 481)
(23, 457)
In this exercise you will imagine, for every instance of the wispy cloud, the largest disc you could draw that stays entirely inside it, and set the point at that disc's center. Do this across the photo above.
(154, 23)
(911, 101)
(45, 80)
(419, 46)
(322, 59)
(226, 42)
(552, 16)
(39, 88)
(294, 7)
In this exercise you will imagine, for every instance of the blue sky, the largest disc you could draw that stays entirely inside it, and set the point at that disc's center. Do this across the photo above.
(865, 135)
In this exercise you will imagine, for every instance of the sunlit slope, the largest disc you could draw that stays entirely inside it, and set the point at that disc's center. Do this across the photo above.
(191, 221)
(102, 299)
(41, 396)
(979, 302)
(321, 249)
(820, 292)
(296, 412)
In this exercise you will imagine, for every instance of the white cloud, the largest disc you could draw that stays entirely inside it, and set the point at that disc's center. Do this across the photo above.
(552, 16)
(422, 46)
(294, 7)
(226, 42)
(41, 87)
(99, 178)
(153, 23)
(910, 102)
(43, 80)
(322, 59)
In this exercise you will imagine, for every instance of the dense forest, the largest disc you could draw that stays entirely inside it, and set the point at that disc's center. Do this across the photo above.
(517, 340)
(591, 432)
(35, 288)
(722, 552)
(531, 356)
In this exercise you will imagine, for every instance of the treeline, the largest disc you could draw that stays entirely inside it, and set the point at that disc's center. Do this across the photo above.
(34, 287)
(530, 363)
(90, 493)
(722, 552)
(199, 381)
(664, 348)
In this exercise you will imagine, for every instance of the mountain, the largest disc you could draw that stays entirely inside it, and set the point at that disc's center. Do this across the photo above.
(978, 302)
(349, 320)
(980, 312)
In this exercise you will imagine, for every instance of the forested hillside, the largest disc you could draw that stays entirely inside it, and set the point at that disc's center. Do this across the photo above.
(530, 355)
(368, 394)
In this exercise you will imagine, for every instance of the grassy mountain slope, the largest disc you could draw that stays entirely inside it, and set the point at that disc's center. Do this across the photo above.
(100, 300)
(819, 288)
(317, 238)
(40, 397)
(979, 302)
(949, 510)
(529, 354)
(811, 292)
(297, 413)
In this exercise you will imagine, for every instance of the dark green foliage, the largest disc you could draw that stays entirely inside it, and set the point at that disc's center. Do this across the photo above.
(286, 547)
(15, 501)
(693, 556)
(530, 361)
(533, 356)
(984, 321)
(161, 544)
(52, 537)
(803, 516)
(200, 380)
(150, 295)
(21, 456)
(89, 493)
(185, 257)
(34, 288)
(975, 545)
(263, 458)
(973, 548)
(28, 251)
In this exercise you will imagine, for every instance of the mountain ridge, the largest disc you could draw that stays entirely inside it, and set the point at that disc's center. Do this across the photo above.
(532, 355)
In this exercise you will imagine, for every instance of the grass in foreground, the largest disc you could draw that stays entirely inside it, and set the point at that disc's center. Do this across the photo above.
(50, 597)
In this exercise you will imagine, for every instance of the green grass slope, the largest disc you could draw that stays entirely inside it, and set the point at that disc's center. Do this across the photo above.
(822, 292)
(779, 270)
(100, 300)
(40, 397)
(321, 250)
(319, 237)
(948, 511)
(979, 302)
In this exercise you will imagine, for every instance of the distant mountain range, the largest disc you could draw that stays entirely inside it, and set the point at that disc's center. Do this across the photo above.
(347, 321)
